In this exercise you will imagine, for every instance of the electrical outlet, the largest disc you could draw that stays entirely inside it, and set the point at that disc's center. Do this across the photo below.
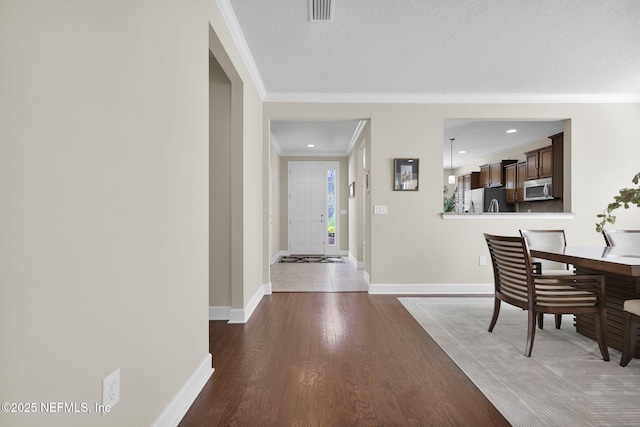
(482, 260)
(111, 389)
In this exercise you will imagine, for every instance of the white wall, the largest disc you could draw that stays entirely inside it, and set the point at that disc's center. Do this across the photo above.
(249, 174)
(220, 178)
(254, 187)
(413, 244)
(276, 196)
(104, 189)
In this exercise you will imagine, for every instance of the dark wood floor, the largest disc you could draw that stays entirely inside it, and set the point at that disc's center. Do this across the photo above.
(334, 359)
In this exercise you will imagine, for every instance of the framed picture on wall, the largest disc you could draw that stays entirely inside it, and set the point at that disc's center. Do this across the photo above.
(405, 174)
(352, 190)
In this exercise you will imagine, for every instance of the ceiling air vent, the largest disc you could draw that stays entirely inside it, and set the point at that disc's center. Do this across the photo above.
(321, 10)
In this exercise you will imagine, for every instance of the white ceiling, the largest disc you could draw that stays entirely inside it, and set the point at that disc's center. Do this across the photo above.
(446, 50)
(482, 138)
(329, 138)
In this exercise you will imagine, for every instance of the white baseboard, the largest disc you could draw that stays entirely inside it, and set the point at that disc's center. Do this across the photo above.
(242, 315)
(359, 265)
(239, 315)
(352, 258)
(433, 289)
(219, 312)
(182, 401)
(277, 256)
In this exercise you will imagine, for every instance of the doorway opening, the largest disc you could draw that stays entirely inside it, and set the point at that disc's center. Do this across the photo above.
(314, 201)
(226, 290)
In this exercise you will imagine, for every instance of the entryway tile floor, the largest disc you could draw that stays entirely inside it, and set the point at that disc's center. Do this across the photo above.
(317, 277)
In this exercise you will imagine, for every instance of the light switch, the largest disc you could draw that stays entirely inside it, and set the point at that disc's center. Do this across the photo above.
(380, 209)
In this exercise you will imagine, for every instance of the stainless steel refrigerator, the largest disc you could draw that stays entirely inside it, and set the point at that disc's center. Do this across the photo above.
(483, 200)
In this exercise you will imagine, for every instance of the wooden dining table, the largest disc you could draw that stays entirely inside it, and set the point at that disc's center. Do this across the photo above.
(621, 268)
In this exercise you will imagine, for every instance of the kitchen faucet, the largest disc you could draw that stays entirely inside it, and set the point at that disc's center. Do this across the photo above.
(494, 206)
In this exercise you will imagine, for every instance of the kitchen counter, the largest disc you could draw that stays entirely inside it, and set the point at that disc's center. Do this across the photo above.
(508, 215)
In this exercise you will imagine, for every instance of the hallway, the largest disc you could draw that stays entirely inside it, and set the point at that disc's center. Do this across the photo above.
(334, 359)
(317, 277)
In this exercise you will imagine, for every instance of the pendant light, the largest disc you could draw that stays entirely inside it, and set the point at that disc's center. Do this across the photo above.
(452, 177)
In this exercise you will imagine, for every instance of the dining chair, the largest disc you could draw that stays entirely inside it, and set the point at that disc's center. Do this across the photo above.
(548, 239)
(631, 316)
(516, 284)
(622, 238)
(555, 239)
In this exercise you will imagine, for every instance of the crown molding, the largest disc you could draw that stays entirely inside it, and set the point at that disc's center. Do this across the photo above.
(356, 135)
(230, 19)
(472, 98)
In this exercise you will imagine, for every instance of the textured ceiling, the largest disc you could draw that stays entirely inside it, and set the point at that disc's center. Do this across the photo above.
(452, 49)
(446, 47)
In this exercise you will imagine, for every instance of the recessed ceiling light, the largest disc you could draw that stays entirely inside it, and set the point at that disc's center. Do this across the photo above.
(310, 145)
(512, 131)
(461, 152)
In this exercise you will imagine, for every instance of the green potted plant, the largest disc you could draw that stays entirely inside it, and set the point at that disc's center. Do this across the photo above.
(626, 197)
(450, 203)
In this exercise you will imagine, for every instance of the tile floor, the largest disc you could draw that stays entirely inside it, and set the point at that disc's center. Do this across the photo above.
(317, 277)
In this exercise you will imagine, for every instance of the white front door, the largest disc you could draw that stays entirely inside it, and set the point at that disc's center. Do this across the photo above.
(311, 202)
(306, 208)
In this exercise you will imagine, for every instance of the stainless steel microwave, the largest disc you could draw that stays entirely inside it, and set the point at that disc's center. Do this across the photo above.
(538, 189)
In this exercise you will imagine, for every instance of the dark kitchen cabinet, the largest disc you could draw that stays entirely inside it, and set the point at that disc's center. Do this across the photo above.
(492, 174)
(521, 174)
(514, 175)
(510, 180)
(557, 142)
(470, 181)
(548, 162)
(540, 163)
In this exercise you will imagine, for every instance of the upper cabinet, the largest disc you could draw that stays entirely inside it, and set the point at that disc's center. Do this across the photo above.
(469, 181)
(492, 174)
(539, 163)
(547, 162)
